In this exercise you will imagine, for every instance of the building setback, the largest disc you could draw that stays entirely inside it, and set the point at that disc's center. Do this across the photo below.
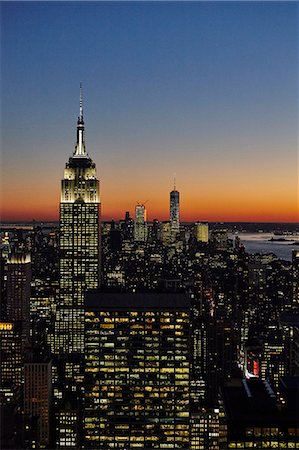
(79, 244)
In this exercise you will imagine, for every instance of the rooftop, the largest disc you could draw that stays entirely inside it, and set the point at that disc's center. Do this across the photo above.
(111, 300)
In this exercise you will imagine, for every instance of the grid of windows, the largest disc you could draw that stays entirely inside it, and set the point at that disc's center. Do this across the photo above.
(37, 396)
(18, 291)
(174, 212)
(67, 429)
(79, 252)
(11, 360)
(137, 379)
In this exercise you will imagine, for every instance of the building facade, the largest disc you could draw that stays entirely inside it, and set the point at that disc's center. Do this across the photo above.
(140, 226)
(201, 231)
(11, 361)
(18, 291)
(174, 215)
(257, 418)
(79, 264)
(137, 349)
(38, 396)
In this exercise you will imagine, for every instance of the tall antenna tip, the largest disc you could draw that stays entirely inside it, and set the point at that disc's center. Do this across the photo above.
(81, 102)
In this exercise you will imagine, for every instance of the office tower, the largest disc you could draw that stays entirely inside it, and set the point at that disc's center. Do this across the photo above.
(127, 227)
(155, 231)
(219, 239)
(174, 212)
(67, 431)
(208, 429)
(257, 418)
(79, 244)
(166, 233)
(137, 352)
(214, 340)
(18, 291)
(295, 276)
(201, 232)
(18, 287)
(11, 361)
(140, 228)
(37, 398)
(5, 245)
(273, 363)
(42, 311)
(115, 238)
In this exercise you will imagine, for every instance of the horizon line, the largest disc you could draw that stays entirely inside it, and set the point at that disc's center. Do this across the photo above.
(11, 222)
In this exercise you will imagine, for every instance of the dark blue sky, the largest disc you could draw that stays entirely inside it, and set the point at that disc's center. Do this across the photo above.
(195, 88)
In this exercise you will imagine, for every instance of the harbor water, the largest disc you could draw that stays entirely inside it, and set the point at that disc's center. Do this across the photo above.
(262, 243)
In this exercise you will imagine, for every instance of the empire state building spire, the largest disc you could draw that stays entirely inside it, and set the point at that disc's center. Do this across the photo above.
(81, 104)
(80, 145)
(79, 244)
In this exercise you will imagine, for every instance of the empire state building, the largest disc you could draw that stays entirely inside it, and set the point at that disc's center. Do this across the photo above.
(79, 263)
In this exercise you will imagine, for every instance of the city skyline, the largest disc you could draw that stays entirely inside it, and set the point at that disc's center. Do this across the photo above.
(204, 90)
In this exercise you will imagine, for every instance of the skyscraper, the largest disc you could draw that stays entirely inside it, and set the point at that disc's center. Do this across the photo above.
(11, 361)
(140, 228)
(37, 397)
(79, 243)
(18, 287)
(174, 212)
(18, 291)
(201, 232)
(137, 370)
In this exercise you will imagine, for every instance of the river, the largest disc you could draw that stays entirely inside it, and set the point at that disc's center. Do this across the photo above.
(260, 243)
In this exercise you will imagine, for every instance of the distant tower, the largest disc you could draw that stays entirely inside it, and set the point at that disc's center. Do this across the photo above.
(18, 291)
(174, 212)
(165, 233)
(140, 228)
(202, 232)
(79, 244)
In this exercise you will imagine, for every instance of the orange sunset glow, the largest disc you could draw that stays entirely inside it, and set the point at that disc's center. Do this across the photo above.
(213, 203)
(215, 103)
